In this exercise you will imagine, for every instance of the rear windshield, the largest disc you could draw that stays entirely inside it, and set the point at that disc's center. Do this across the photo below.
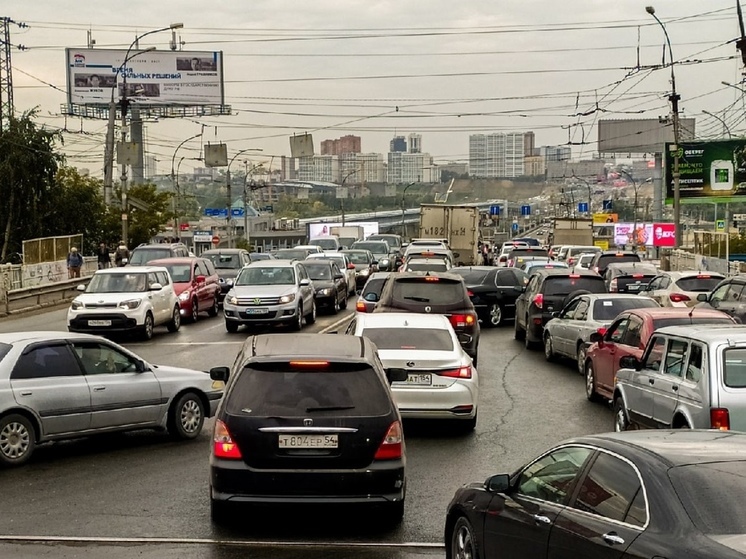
(659, 323)
(564, 285)
(604, 261)
(326, 244)
(608, 309)
(713, 495)
(224, 261)
(142, 256)
(471, 277)
(703, 284)
(358, 257)
(410, 338)
(528, 252)
(378, 247)
(284, 392)
(291, 254)
(420, 290)
(372, 290)
(734, 371)
(416, 266)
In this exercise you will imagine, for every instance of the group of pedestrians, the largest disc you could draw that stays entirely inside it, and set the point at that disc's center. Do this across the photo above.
(103, 258)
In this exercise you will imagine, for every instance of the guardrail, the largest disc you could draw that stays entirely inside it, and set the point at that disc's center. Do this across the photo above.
(23, 300)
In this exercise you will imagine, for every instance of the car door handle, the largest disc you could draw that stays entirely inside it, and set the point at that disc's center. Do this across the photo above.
(99, 388)
(675, 388)
(541, 519)
(26, 393)
(612, 538)
(651, 381)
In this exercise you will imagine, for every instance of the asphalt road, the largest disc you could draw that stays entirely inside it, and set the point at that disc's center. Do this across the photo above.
(143, 495)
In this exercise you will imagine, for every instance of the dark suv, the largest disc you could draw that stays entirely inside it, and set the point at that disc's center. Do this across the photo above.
(228, 262)
(145, 253)
(603, 259)
(307, 419)
(547, 291)
(437, 293)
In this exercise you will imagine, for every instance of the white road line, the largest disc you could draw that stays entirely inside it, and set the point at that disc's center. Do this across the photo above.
(335, 326)
(207, 541)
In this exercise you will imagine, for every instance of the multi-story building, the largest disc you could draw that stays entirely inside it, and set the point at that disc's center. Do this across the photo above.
(362, 168)
(534, 166)
(496, 155)
(529, 140)
(319, 168)
(287, 168)
(345, 144)
(414, 143)
(411, 167)
(151, 166)
(454, 167)
(555, 153)
(398, 144)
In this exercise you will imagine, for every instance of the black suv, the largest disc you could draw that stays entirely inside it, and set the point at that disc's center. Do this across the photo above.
(628, 277)
(437, 293)
(228, 262)
(517, 256)
(606, 257)
(493, 291)
(547, 291)
(307, 419)
(147, 253)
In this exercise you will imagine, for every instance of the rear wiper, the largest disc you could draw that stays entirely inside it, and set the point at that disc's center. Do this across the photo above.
(330, 408)
(418, 299)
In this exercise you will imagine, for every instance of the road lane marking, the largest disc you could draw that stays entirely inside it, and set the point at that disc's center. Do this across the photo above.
(334, 326)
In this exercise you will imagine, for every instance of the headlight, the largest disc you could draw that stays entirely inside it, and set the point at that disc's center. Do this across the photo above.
(287, 298)
(229, 281)
(384, 262)
(326, 291)
(233, 300)
(365, 272)
(131, 304)
(77, 305)
(184, 296)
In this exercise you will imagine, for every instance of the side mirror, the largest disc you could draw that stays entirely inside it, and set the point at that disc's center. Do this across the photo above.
(200, 279)
(556, 314)
(350, 266)
(219, 373)
(305, 282)
(155, 286)
(456, 254)
(374, 263)
(81, 287)
(630, 362)
(595, 337)
(499, 483)
(396, 375)
(339, 276)
(702, 297)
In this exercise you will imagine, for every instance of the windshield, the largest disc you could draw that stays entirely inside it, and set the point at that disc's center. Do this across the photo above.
(424, 290)
(605, 260)
(266, 276)
(142, 256)
(392, 241)
(410, 338)
(316, 272)
(357, 257)
(325, 244)
(424, 266)
(701, 284)
(118, 283)
(224, 261)
(564, 285)
(180, 273)
(605, 310)
(375, 247)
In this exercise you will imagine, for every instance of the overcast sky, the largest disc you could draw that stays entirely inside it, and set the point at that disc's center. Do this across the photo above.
(378, 68)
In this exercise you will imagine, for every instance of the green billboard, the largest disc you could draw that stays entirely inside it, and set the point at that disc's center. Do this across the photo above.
(708, 171)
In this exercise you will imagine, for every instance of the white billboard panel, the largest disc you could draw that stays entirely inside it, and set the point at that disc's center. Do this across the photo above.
(323, 229)
(640, 135)
(626, 234)
(153, 78)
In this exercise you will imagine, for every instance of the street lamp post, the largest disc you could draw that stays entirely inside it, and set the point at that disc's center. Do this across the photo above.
(229, 192)
(403, 194)
(246, 188)
(175, 180)
(725, 126)
(674, 98)
(342, 200)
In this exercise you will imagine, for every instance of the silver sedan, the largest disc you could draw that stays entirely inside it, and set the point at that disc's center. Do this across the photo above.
(568, 333)
(56, 386)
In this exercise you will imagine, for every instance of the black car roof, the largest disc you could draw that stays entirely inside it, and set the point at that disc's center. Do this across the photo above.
(300, 346)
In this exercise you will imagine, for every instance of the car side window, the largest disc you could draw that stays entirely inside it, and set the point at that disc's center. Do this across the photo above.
(207, 268)
(46, 362)
(675, 357)
(151, 279)
(654, 284)
(98, 359)
(616, 334)
(665, 282)
(694, 365)
(581, 313)
(735, 294)
(551, 477)
(610, 489)
(163, 278)
(654, 354)
(719, 293)
(532, 284)
(633, 336)
(568, 312)
(335, 269)
(301, 273)
(351, 327)
(519, 278)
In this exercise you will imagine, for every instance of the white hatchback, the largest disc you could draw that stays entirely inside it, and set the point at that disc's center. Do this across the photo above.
(442, 382)
(132, 298)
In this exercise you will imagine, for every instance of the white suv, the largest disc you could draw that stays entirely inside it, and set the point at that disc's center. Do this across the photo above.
(125, 299)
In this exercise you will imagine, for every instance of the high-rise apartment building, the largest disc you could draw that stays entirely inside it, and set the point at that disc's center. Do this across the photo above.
(406, 167)
(362, 168)
(319, 168)
(345, 144)
(556, 153)
(496, 155)
(415, 143)
(398, 144)
(529, 141)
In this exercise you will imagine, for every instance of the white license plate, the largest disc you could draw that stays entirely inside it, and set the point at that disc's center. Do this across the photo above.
(634, 287)
(99, 323)
(257, 311)
(308, 441)
(422, 379)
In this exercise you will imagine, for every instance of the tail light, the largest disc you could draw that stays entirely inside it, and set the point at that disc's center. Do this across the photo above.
(360, 306)
(571, 261)
(392, 446)
(470, 293)
(462, 320)
(720, 419)
(461, 372)
(222, 443)
(538, 300)
(678, 297)
(613, 286)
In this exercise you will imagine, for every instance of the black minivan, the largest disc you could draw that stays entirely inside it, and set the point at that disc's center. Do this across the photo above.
(307, 419)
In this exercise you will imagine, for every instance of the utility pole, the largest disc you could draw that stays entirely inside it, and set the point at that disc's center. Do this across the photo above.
(6, 72)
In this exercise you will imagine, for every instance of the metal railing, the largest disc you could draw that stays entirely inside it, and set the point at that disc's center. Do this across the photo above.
(681, 260)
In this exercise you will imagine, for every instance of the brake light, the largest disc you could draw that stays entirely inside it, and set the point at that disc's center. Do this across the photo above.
(538, 300)
(470, 293)
(719, 419)
(431, 278)
(461, 320)
(678, 297)
(574, 275)
(703, 276)
(392, 446)
(309, 364)
(613, 286)
(360, 306)
(461, 372)
(223, 445)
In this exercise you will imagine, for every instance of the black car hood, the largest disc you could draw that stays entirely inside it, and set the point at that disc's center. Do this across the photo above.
(322, 284)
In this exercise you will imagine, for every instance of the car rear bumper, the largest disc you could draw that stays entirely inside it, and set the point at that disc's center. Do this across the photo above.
(456, 401)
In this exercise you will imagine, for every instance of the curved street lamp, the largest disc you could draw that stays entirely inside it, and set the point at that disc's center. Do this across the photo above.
(403, 194)
(342, 200)
(228, 186)
(725, 125)
(175, 179)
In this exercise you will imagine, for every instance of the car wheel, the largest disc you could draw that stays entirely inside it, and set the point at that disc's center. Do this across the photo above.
(175, 323)
(468, 425)
(520, 333)
(463, 541)
(17, 440)
(496, 315)
(213, 310)
(231, 327)
(335, 307)
(621, 422)
(548, 349)
(297, 324)
(582, 354)
(186, 417)
(528, 343)
(147, 329)
(194, 315)
(343, 304)
(590, 382)
(311, 317)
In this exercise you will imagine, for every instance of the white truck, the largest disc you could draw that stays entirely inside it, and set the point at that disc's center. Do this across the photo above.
(348, 234)
(459, 225)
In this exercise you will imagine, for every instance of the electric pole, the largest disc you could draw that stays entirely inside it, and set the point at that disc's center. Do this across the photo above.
(6, 73)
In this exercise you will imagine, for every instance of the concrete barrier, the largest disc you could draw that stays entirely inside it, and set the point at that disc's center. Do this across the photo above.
(17, 301)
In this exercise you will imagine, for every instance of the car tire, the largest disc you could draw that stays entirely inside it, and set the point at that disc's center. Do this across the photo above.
(186, 417)
(175, 322)
(335, 306)
(621, 421)
(495, 315)
(548, 348)
(520, 333)
(17, 440)
(231, 327)
(463, 540)
(311, 317)
(194, 314)
(343, 304)
(467, 425)
(581, 357)
(526, 341)
(213, 310)
(297, 324)
(147, 328)
(590, 382)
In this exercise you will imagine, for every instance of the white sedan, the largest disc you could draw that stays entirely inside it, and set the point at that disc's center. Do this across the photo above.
(442, 382)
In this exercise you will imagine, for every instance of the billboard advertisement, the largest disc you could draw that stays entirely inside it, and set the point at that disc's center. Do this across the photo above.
(626, 234)
(153, 78)
(323, 229)
(605, 218)
(714, 171)
(664, 235)
(640, 135)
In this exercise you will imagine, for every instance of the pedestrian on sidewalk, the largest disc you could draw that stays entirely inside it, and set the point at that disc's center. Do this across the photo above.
(74, 263)
(103, 256)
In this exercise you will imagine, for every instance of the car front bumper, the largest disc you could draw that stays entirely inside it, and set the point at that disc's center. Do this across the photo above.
(79, 321)
(275, 314)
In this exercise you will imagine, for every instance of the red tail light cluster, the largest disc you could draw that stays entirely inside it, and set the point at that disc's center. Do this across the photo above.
(461, 372)
(678, 297)
(392, 446)
(720, 419)
(462, 320)
(360, 306)
(538, 300)
(223, 445)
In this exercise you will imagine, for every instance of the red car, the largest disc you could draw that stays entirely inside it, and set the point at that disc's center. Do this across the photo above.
(628, 335)
(196, 283)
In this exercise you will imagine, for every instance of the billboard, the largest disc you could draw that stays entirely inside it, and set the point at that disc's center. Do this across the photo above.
(664, 234)
(158, 77)
(714, 171)
(626, 234)
(323, 229)
(642, 135)
(605, 218)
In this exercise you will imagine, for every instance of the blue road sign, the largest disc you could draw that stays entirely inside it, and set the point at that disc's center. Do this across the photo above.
(515, 227)
(236, 212)
(525, 210)
(608, 204)
(583, 207)
(494, 209)
(216, 212)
